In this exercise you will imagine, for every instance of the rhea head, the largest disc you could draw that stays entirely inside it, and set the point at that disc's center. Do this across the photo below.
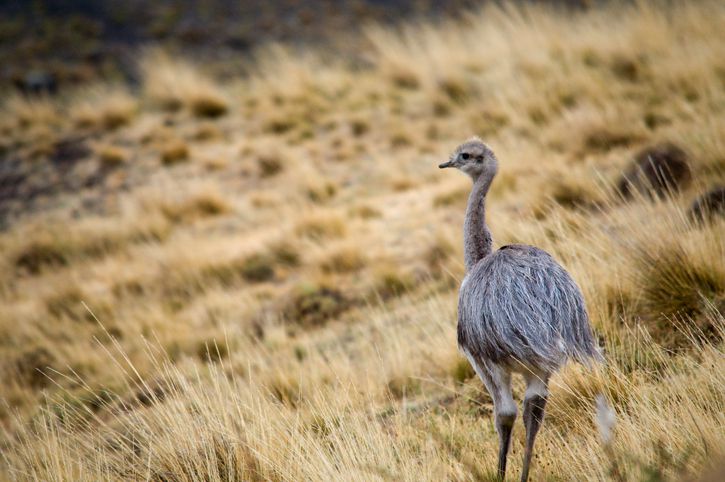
(474, 158)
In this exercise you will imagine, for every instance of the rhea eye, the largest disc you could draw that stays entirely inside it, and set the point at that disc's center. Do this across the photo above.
(465, 156)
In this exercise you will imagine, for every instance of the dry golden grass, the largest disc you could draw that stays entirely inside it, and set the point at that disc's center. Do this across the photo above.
(111, 156)
(284, 308)
(104, 108)
(174, 152)
(173, 83)
(202, 204)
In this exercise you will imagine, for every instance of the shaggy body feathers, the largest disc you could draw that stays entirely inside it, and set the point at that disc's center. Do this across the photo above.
(518, 311)
(518, 307)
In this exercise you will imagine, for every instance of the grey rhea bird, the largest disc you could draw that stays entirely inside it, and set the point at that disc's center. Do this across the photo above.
(519, 311)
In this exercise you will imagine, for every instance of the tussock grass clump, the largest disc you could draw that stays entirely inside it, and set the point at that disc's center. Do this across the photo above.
(269, 165)
(400, 139)
(174, 152)
(708, 206)
(52, 247)
(604, 139)
(313, 304)
(345, 259)
(462, 370)
(104, 108)
(31, 365)
(677, 287)
(359, 126)
(111, 156)
(32, 112)
(190, 281)
(654, 120)
(365, 211)
(320, 191)
(270, 157)
(129, 288)
(257, 268)
(285, 253)
(208, 103)
(403, 387)
(439, 257)
(211, 351)
(321, 226)
(178, 290)
(213, 164)
(68, 303)
(489, 122)
(68, 151)
(441, 106)
(574, 195)
(627, 68)
(207, 131)
(404, 78)
(201, 205)
(389, 281)
(402, 183)
(538, 114)
(620, 303)
(280, 124)
(41, 254)
(454, 197)
(657, 170)
(577, 392)
(285, 390)
(173, 83)
(455, 88)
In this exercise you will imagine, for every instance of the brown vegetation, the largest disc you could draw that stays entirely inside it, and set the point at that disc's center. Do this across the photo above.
(256, 279)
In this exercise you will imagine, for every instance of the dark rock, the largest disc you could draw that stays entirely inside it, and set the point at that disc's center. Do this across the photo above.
(709, 205)
(657, 171)
(38, 82)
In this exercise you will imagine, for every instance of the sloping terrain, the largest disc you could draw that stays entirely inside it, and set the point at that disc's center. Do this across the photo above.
(256, 278)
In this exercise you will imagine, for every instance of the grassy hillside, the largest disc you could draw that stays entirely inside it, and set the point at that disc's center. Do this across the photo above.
(257, 279)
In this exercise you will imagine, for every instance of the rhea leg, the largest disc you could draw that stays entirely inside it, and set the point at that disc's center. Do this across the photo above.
(534, 405)
(498, 383)
(505, 413)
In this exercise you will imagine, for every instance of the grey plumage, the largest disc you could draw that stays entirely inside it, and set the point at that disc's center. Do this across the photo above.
(518, 305)
(518, 311)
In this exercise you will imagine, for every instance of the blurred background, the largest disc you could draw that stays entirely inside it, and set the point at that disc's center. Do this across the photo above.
(48, 44)
(227, 251)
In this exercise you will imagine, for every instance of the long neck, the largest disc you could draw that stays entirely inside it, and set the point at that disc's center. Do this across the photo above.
(476, 236)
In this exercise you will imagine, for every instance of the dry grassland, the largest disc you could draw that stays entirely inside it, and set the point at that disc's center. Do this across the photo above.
(256, 279)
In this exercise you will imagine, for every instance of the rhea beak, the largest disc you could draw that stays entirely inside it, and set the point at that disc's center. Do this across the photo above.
(445, 164)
